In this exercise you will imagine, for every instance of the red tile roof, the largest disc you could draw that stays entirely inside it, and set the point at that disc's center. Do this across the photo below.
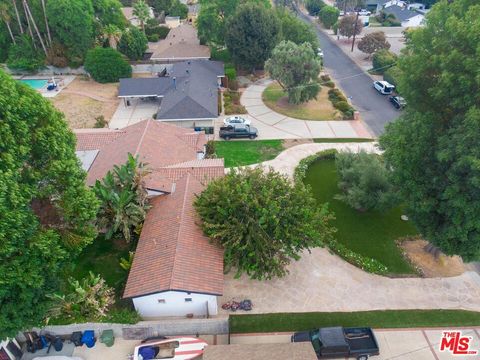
(156, 143)
(172, 252)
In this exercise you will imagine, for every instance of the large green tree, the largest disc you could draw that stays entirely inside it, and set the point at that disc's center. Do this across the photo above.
(107, 65)
(251, 35)
(433, 148)
(262, 220)
(133, 43)
(109, 12)
(296, 69)
(47, 211)
(213, 16)
(295, 30)
(71, 22)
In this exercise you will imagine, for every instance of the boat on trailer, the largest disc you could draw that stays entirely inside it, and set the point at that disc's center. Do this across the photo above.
(180, 348)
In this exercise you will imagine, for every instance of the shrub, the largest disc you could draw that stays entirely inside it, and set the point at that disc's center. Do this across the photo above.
(100, 122)
(153, 37)
(364, 182)
(392, 75)
(262, 221)
(231, 73)
(220, 54)
(56, 55)
(23, 55)
(89, 298)
(314, 6)
(329, 84)
(233, 85)
(335, 95)
(231, 109)
(325, 78)
(383, 59)
(161, 31)
(219, 103)
(210, 149)
(342, 106)
(328, 15)
(349, 114)
(107, 65)
(302, 167)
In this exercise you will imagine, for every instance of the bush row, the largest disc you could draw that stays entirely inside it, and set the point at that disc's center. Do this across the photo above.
(340, 102)
(302, 167)
(232, 103)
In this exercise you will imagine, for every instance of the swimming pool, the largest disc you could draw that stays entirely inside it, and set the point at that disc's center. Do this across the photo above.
(35, 83)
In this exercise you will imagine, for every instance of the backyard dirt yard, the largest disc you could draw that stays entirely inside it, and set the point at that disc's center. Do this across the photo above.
(443, 266)
(83, 100)
(318, 109)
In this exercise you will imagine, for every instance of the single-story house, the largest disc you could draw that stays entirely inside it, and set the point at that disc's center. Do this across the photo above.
(407, 18)
(128, 13)
(187, 96)
(280, 351)
(375, 6)
(181, 44)
(176, 270)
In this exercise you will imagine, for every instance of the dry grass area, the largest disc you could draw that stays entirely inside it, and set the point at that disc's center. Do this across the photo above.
(318, 109)
(83, 100)
(443, 266)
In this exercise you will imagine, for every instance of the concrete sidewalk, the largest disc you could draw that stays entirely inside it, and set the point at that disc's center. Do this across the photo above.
(272, 125)
(401, 344)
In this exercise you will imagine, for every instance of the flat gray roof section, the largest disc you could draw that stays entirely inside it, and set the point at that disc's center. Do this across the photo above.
(144, 87)
(86, 157)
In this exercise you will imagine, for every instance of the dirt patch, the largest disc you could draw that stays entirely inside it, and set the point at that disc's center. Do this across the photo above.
(443, 266)
(288, 143)
(83, 100)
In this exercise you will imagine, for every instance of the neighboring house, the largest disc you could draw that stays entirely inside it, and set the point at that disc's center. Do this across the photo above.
(375, 6)
(187, 96)
(128, 13)
(407, 18)
(181, 44)
(401, 3)
(280, 351)
(416, 6)
(176, 270)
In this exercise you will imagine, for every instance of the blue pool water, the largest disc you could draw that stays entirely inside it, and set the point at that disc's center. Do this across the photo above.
(35, 83)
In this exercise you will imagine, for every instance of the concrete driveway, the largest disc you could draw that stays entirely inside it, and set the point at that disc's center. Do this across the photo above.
(399, 344)
(374, 108)
(272, 125)
(137, 111)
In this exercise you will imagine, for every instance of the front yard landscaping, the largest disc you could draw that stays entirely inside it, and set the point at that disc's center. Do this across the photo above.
(240, 153)
(377, 319)
(318, 109)
(371, 234)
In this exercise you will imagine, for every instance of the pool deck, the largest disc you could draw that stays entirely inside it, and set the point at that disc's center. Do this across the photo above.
(62, 81)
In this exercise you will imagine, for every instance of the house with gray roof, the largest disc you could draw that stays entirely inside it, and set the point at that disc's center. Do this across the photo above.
(187, 95)
(406, 17)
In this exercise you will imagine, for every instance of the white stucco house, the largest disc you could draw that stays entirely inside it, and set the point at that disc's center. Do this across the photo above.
(407, 18)
(128, 13)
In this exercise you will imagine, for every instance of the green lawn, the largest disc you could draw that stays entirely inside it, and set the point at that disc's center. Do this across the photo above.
(317, 109)
(342, 140)
(239, 153)
(371, 233)
(376, 319)
(103, 257)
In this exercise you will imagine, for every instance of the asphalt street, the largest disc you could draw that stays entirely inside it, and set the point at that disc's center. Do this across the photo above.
(375, 109)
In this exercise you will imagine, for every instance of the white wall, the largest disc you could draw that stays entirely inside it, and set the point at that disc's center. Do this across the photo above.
(175, 305)
(414, 21)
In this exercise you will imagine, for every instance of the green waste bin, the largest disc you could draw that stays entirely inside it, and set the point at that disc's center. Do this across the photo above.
(107, 338)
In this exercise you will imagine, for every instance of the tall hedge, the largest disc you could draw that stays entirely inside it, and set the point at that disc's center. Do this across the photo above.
(383, 59)
(107, 65)
(133, 43)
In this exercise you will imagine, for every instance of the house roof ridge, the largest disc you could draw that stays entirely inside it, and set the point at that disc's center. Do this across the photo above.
(139, 145)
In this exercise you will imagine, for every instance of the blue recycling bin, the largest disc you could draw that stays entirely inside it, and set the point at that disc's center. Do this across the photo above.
(88, 338)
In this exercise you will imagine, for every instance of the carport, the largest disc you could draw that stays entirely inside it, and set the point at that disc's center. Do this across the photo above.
(144, 89)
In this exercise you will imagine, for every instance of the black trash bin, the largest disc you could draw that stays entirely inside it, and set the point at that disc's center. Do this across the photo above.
(76, 338)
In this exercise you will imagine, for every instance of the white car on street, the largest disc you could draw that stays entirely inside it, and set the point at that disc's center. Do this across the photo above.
(383, 87)
(235, 120)
(364, 12)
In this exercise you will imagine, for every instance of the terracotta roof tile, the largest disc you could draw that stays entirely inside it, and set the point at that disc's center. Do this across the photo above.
(172, 252)
(95, 139)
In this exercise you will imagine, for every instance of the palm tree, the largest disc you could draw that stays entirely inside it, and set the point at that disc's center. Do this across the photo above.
(5, 15)
(28, 24)
(112, 34)
(18, 16)
(46, 23)
(29, 15)
(142, 12)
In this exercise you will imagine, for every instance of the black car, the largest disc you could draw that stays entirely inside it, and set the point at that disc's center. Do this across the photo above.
(340, 342)
(238, 131)
(398, 101)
